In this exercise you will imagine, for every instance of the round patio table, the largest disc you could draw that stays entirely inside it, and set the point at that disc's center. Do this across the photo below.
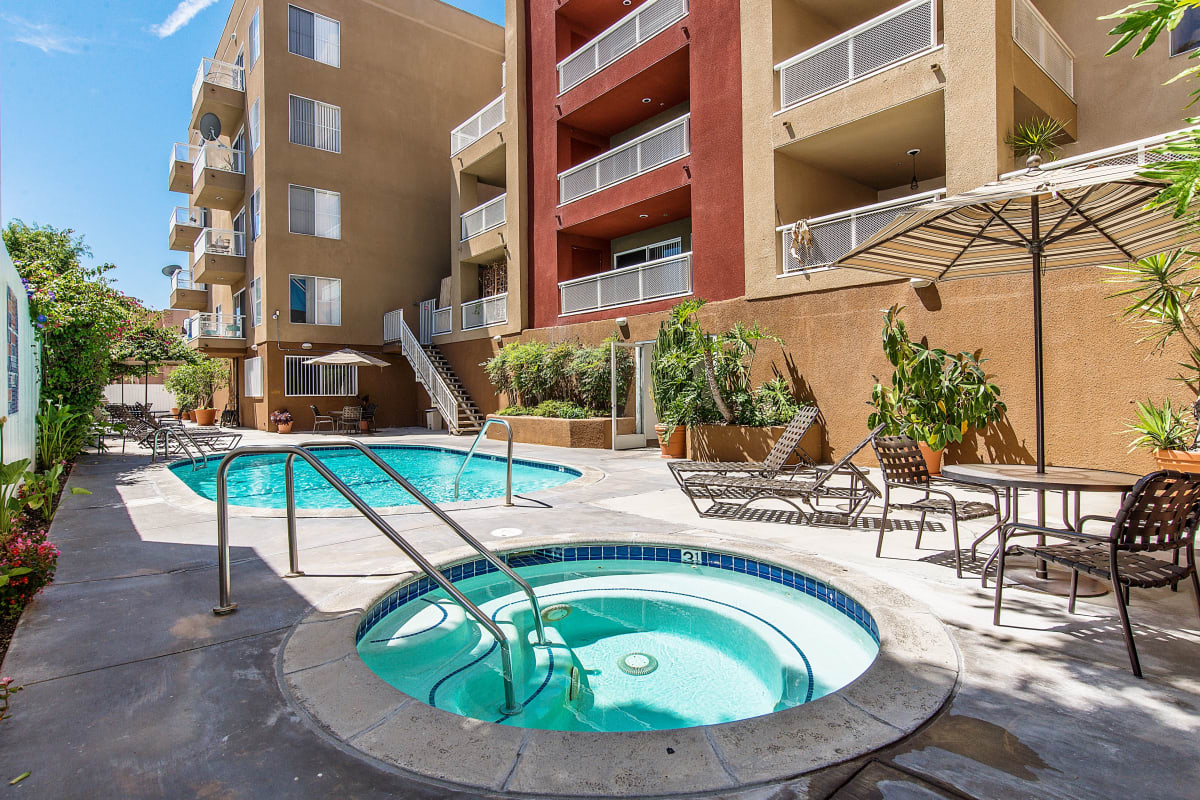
(1071, 481)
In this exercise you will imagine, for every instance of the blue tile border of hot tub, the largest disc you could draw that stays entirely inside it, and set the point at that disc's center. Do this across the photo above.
(628, 552)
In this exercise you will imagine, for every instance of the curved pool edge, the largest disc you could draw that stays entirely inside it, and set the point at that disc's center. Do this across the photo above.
(915, 673)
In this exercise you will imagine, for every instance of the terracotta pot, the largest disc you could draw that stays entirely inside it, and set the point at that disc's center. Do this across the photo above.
(676, 446)
(205, 416)
(175, 413)
(364, 425)
(284, 427)
(1181, 460)
(933, 458)
(186, 415)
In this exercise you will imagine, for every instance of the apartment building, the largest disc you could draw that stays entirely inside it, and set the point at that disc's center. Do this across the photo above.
(322, 203)
(640, 152)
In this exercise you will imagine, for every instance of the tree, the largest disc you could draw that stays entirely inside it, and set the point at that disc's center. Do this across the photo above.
(147, 341)
(194, 384)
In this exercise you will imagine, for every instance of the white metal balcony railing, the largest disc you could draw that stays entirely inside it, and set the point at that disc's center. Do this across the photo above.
(485, 311)
(184, 152)
(439, 392)
(442, 321)
(392, 322)
(482, 123)
(218, 73)
(1140, 152)
(189, 217)
(214, 156)
(886, 41)
(483, 217)
(1041, 42)
(213, 242)
(648, 151)
(217, 326)
(835, 235)
(629, 32)
(641, 283)
(183, 280)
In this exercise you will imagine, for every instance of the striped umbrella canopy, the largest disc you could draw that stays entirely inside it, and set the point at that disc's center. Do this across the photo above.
(1054, 218)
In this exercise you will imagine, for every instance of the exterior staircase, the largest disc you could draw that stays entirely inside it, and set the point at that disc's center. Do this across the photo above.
(470, 419)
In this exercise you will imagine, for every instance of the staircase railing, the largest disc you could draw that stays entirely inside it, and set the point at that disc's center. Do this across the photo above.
(443, 398)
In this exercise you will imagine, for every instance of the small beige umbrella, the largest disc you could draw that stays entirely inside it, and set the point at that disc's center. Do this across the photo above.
(349, 358)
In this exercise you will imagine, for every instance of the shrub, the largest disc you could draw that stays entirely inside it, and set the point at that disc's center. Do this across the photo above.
(195, 384)
(61, 432)
(531, 373)
(559, 409)
(29, 550)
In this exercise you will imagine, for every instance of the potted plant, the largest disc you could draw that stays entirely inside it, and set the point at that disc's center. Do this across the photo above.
(1167, 434)
(283, 420)
(1041, 137)
(198, 382)
(935, 397)
(677, 383)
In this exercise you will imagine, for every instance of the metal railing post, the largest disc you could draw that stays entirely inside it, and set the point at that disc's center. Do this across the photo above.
(293, 546)
(479, 437)
(225, 604)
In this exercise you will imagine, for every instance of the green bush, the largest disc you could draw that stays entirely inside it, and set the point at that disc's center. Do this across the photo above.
(61, 433)
(195, 384)
(532, 373)
(559, 409)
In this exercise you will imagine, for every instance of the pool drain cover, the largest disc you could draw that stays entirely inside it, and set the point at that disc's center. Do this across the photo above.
(637, 664)
(555, 613)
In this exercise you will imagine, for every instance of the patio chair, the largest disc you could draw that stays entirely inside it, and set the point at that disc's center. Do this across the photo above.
(787, 444)
(350, 418)
(720, 490)
(1159, 515)
(903, 467)
(320, 419)
(368, 414)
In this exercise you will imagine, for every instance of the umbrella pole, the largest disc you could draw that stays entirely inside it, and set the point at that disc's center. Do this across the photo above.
(1039, 409)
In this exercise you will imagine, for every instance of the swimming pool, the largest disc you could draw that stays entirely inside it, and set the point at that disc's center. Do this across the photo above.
(258, 481)
(639, 638)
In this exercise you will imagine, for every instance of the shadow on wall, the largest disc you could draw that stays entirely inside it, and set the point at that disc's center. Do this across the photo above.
(999, 444)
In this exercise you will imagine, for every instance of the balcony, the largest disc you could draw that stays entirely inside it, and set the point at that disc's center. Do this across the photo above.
(219, 178)
(186, 224)
(649, 20)
(481, 124)
(219, 88)
(484, 312)
(187, 294)
(904, 33)
(183, 156)
(1140, 152)
(647, 152)
(835, 235)
(483, 218)
(216, 334)
(1038, 39)
(641, 283)
(219, 257)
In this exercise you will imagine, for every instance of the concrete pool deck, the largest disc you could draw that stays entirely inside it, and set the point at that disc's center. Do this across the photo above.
(134, 688)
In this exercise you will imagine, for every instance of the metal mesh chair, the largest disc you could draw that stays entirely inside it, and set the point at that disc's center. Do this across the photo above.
(903, 467)
(320, 419)
(775, 462)
(351, 415)
(1159, 515)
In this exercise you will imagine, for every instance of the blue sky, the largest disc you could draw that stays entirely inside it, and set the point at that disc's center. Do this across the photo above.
(92, 94)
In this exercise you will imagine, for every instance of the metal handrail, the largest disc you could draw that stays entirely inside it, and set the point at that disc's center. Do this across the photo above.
(478, 438)
(226, 606)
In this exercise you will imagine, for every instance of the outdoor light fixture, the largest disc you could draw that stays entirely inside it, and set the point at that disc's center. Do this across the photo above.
(306, 346)
(276, 314)
(497, 338)
(644, 216)
(645, 99)
(622, 322)
(920, 283)
(916, 151)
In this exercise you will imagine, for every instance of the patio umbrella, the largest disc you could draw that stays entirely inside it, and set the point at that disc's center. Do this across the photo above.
(1054, 218)
(350, 358)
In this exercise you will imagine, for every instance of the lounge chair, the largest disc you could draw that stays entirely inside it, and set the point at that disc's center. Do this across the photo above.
(1159, 515)
(723, 491)
(775, 462)
(903, 467)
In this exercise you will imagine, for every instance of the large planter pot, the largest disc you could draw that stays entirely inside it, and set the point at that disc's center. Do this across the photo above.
(364, 425)
(175, 413)
(594, 433)
(205, 416)
(284, 427)
(1181, 460)
(746, 443)
(676, 446)
(933, 458)
(186, 415)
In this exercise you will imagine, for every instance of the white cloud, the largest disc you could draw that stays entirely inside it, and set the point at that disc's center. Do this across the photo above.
(43, 36)
(184, 13)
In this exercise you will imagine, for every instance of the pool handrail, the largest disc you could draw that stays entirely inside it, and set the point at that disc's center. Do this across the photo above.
(510, 707)
(462, 533)
(478, 438)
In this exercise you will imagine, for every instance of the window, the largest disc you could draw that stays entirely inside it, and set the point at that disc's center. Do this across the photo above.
(239, 303)
(314, 36)
(239, 145)
(315, 124)
(314, 212)
(254, 118)
(254, 377)
(255, 214)
(653, 252)
(318, 380)
(239, 224)
(256, 302)
(315, 301)
(255, 39)
(1186, 35)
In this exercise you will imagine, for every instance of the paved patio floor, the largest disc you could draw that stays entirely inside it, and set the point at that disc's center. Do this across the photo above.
(135, 690)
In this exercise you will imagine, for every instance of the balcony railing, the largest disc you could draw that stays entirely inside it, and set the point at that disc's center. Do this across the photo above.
(184, 152)
(483, 218)
(835, 235)
(890, 39)
(219, 243)
(484, 122)
(189, 217)
(214, 156)
(648, 151)
(629, 32)
(439, 391)
(485, 311)
(1141, 151)
(1038, 39)
(218, 73)
(217, 326)
(183, 280)
(641, 283)
(393, 321)
(442, 321)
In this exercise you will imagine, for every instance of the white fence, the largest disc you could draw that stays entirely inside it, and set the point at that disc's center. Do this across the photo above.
(219, 243)
(648, 151)
(217, 326)
(129, 393)
(485, 311)
(653, 280)
(649, 20)
(218, 73)
(392, 322)
(835, 235)
(1141, 151)
(482, 123)
(483, 217)
(885, 41)
(214, 156)
(1041, 42)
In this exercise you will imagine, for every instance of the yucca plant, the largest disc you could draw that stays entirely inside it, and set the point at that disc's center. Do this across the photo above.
(1160, 428)
(1039, 136)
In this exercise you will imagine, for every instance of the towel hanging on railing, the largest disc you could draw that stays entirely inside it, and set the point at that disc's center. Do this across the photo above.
(801, 241)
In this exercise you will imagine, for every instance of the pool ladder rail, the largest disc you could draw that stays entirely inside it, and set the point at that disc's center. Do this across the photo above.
(478, 438)
(304, 451)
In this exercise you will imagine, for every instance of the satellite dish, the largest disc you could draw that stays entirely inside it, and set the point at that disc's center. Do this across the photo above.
(210, 127)
(170, 269)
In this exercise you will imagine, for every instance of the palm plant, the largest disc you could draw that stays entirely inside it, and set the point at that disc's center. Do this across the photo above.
(1039, 136)
(1160, 428)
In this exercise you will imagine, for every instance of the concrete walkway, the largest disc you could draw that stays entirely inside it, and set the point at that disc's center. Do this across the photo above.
(135, 690)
